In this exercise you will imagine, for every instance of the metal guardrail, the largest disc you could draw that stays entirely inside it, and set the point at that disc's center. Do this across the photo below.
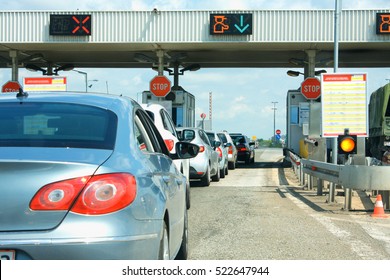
(351, 177)
(358, 177)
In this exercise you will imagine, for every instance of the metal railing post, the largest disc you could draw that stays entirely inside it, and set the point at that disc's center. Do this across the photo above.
(320, 184)
(347, 199)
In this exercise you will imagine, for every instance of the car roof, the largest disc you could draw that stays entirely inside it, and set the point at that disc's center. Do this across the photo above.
(108, 101)
(152, 106)
(193, 128)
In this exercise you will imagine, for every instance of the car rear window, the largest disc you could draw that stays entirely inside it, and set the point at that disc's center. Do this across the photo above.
(238, 138)
(46, 124)
(223, 137)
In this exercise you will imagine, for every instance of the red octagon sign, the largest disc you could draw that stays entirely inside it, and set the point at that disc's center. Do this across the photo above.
(160, 86)
(11, 86)
(311, 88)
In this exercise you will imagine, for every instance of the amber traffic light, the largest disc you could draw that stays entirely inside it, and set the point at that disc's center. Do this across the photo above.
(347, 144)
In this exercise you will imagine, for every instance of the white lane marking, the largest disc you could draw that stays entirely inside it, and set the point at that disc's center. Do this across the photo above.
(363, 250)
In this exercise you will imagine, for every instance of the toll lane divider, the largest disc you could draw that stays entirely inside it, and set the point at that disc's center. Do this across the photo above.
(358, 177)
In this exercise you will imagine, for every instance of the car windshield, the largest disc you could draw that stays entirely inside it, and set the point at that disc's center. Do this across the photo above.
(41, 124)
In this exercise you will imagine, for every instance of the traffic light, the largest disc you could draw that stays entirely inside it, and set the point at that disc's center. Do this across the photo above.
(347, 144)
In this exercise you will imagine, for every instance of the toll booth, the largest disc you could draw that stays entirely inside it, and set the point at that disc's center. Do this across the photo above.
(181, 108)
(297, 122)
(304, 127)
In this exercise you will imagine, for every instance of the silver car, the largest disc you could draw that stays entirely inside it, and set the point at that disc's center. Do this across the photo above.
(205, 166)
(222, 153)
(88, 176)
(231, 148)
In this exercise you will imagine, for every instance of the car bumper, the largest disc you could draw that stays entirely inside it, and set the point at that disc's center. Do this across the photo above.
(242, 156)
(195, 174)
(106, 237)
(231, 158)
(198, 167)
(107, 248)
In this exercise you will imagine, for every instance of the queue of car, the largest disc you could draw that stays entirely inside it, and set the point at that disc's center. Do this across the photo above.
(99, 176)
(88, 176)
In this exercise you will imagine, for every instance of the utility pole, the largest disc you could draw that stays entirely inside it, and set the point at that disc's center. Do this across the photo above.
(211, 109)
(273, 133)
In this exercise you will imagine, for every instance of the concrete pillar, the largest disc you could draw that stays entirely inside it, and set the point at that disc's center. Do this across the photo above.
(311, 63)
(15, 65)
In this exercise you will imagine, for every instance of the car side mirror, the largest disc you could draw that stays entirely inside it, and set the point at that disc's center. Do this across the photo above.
(186, 150)
(216, 144)
(187, 135)
(228, 144)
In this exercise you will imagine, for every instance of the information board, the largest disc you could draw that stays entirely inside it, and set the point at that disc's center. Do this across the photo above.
(344, 104)
(44, 84)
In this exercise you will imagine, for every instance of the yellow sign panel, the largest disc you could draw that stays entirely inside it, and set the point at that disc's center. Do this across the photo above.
(44, 84)
(344, 104)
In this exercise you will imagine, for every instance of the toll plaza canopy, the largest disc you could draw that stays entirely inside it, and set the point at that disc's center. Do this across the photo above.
(253, 38)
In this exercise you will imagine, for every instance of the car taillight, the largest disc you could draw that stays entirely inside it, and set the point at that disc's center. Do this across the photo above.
(169, 143)
(219, 151)
(58, 195)
(102, 194)
(201, 149)
(230, 151)
(242, 149)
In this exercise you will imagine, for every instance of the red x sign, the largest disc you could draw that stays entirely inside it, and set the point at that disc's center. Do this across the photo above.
(81, 24)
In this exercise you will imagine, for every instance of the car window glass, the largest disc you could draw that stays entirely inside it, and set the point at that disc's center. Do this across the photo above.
(168, 125)
(151, 114)
(238, 139)
(50, 124)
(188, 135)
(223, 137)
(142, 137)
(204, 137)
(154, 137)
(211, 137)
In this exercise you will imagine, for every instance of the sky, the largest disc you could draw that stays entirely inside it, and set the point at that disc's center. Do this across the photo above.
(246, 106)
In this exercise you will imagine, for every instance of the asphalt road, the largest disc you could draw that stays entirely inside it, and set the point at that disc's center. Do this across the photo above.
(260, 212)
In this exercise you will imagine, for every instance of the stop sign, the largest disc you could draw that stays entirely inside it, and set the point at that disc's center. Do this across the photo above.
(11, 86)
(160, 86)
(311, 88)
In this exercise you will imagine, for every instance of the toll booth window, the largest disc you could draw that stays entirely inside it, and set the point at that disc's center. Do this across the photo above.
(294, 115)
(56, 125)
(177, 115)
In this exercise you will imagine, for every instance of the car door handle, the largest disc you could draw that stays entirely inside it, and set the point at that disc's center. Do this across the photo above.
(167, 180)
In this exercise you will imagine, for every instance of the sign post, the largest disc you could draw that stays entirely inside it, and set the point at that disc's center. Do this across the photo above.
(203, 116)
(311, 88)
(160, 86)
(11, 86)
